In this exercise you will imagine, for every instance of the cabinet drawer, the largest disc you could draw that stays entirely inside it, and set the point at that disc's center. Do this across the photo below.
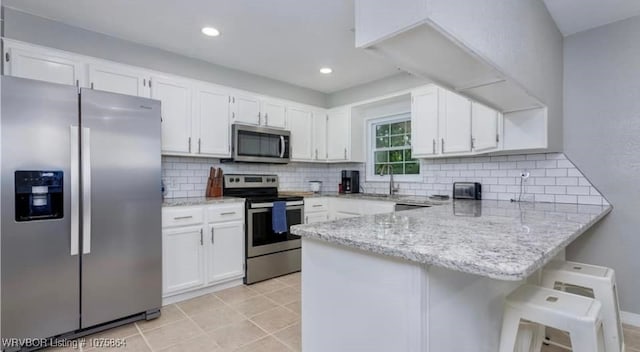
(181, 216)
(220, 213)
(312, 205)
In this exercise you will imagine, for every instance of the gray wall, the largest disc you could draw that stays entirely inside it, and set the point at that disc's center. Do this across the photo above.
(37, 30)
(520, 38)
(602, 137)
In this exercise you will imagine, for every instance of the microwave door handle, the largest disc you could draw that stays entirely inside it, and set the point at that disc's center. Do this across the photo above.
(282, 146)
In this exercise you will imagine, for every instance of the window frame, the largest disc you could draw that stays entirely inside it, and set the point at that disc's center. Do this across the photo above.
(370, 176)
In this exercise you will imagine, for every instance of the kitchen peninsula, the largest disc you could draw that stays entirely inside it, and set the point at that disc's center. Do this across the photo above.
(432, 279)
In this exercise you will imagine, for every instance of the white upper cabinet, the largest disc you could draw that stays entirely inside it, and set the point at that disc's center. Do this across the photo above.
(484, 128)
(300, 123)
(175, 95)
(338, 133)
(273, 114)
(43, 66)
(245, 109)
(455, 125)
(210, 123)
(424, 121)
(119, 79)
(319, 128)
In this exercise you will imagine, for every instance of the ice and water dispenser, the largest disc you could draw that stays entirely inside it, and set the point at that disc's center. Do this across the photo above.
(39, 195)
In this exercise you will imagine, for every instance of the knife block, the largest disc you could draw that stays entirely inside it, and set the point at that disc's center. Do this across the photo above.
(214, 187)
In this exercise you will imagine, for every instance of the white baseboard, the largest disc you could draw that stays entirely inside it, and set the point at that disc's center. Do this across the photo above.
(630, 318)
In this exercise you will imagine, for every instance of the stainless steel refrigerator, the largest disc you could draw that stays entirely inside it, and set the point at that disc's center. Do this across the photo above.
(81, 208)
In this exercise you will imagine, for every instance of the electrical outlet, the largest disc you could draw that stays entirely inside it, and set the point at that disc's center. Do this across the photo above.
(524, 175)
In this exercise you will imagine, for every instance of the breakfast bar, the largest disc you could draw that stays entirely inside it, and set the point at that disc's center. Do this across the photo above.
(431, 279)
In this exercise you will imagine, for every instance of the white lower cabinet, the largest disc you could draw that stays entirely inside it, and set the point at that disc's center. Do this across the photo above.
(209, 251)
(182, 254)
(226, 251)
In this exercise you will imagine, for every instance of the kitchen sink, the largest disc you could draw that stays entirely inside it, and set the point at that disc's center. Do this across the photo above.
(409, 206)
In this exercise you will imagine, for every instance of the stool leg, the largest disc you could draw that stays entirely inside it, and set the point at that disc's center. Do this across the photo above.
(510, 325)
(585, 339)
(611, 324)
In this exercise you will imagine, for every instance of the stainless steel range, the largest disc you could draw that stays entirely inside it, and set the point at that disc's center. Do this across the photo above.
(269, 254)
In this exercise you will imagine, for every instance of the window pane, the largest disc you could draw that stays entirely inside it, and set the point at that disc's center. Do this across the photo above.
(398, 169)
(412, 168)
(396, 156)
(399, 141)
(398, 128)
(382, 130)
(407, 154)
(408, 127)
(381, 167)
(382, 156)
(382, 142)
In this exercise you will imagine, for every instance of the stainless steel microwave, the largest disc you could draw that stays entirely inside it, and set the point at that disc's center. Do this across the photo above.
(260, 144)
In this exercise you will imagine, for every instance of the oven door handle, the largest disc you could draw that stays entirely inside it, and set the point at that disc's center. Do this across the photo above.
(282, 146)
(270, 204)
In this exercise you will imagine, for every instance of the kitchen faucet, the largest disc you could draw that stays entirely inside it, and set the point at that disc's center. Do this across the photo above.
(392, 188)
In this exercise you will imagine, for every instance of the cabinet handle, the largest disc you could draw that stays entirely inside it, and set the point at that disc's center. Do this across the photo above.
(228, 213)
(77, 83)
(259, 119)
(212, 240)
(233, 115)
(144, 82)
(198, 145)
(182, 217)
(189, 144)
(434, 146)
(266, 119)
(201, 237)
(316, 205)
(442, 145)
(306, 219)
(473, 143)
(345, 153)
(316, 154)
(91, 85)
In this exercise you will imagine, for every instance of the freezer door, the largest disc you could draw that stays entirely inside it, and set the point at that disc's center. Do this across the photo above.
(121, 210)
(40, 264)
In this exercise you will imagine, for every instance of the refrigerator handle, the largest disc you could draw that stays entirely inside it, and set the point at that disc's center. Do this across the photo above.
(86, 190)
(75, 189)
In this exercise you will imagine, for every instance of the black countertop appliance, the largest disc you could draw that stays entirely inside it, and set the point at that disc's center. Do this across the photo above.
(350, 181)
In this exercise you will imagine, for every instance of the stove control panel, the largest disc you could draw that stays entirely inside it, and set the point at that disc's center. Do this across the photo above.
(250, 181)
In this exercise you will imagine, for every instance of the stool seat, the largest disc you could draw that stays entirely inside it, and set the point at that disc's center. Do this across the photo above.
(578, 315)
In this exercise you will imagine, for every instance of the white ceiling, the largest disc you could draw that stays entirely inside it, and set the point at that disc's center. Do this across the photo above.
(573, 16)
(287, 40)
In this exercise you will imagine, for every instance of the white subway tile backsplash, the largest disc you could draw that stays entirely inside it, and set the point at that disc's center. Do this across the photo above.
(553, 178)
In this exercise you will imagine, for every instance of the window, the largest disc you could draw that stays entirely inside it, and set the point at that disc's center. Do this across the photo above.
(391, 148)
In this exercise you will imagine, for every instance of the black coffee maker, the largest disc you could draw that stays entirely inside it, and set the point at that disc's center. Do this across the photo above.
(350, 181)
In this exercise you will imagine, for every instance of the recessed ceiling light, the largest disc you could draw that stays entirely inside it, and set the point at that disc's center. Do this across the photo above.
(326, 70)
(210, 31)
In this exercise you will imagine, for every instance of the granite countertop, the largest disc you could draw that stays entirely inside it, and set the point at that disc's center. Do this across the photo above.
(496, 239)
(177, 202)
(418, 200)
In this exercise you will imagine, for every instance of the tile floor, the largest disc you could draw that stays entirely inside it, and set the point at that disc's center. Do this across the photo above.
(264, 317)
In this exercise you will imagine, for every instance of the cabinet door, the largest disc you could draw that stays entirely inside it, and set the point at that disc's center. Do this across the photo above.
(338, 135)
(455, 123)
(175, 96)
(311, 218)
(300, 123)
(319, 135)
(226, 254)
(182, 259)
(119, 79)
(273, 114)
(424, 122)
(211, 122)
(44, 66)
(484, 127)
(246, 110)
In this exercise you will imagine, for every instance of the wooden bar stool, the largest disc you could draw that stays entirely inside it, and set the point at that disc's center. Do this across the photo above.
(578, 315)
(591, 281)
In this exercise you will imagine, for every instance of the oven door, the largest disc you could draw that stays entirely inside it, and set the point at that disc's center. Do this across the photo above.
(260, 144)
(260, 236)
